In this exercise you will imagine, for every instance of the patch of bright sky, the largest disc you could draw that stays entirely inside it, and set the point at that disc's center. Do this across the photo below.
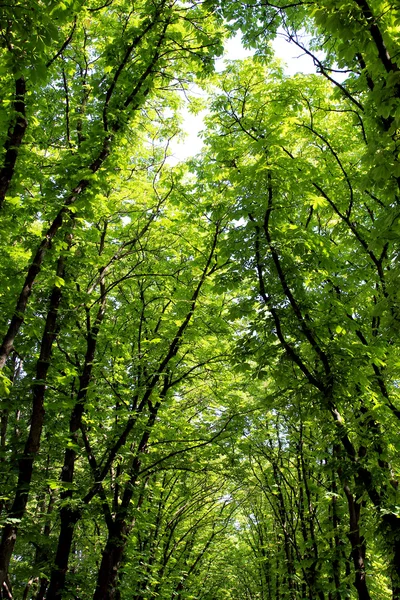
(294, 60)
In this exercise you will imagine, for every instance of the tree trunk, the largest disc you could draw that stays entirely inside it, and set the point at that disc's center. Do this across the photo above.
(106, 588)
(336, 539)
(14, 139)
(25, 462)
(357, 545)
(69, 517)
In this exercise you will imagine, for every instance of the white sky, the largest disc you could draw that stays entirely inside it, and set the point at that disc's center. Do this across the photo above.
(291, 55)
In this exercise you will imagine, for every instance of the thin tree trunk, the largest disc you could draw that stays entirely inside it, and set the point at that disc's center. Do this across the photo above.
(26, 461)
(42, 554)
(14, 138)
(70, 516)
(4, 421)
(119, 528)
(357, 545)
(336, 539)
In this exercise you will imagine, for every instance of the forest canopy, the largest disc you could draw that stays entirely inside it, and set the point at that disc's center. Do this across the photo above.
(199, 361)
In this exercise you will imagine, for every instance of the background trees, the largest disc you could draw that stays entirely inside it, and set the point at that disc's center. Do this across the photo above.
(200, 363)
(315, 262)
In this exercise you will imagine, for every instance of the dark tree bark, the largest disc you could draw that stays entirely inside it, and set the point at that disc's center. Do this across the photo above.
(376, 34)
(357, 541)
(14, 139)
(70, 516)
(42, 554)
(32, 445)
(337, 550)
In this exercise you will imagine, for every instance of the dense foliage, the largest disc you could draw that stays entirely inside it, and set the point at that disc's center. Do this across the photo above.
(200, 363)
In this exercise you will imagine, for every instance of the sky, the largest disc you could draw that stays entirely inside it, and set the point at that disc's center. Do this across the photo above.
(295, 62)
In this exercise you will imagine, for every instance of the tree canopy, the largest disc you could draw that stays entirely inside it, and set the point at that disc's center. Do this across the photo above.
(199, 362)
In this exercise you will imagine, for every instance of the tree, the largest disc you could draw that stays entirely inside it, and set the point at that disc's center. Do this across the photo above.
(314, 260)
(98, 86)
(199, 364)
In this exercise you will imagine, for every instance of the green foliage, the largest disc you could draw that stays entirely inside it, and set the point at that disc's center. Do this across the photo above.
(200, 388)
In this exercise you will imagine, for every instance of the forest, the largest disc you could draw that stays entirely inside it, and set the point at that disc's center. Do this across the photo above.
(200, 363)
